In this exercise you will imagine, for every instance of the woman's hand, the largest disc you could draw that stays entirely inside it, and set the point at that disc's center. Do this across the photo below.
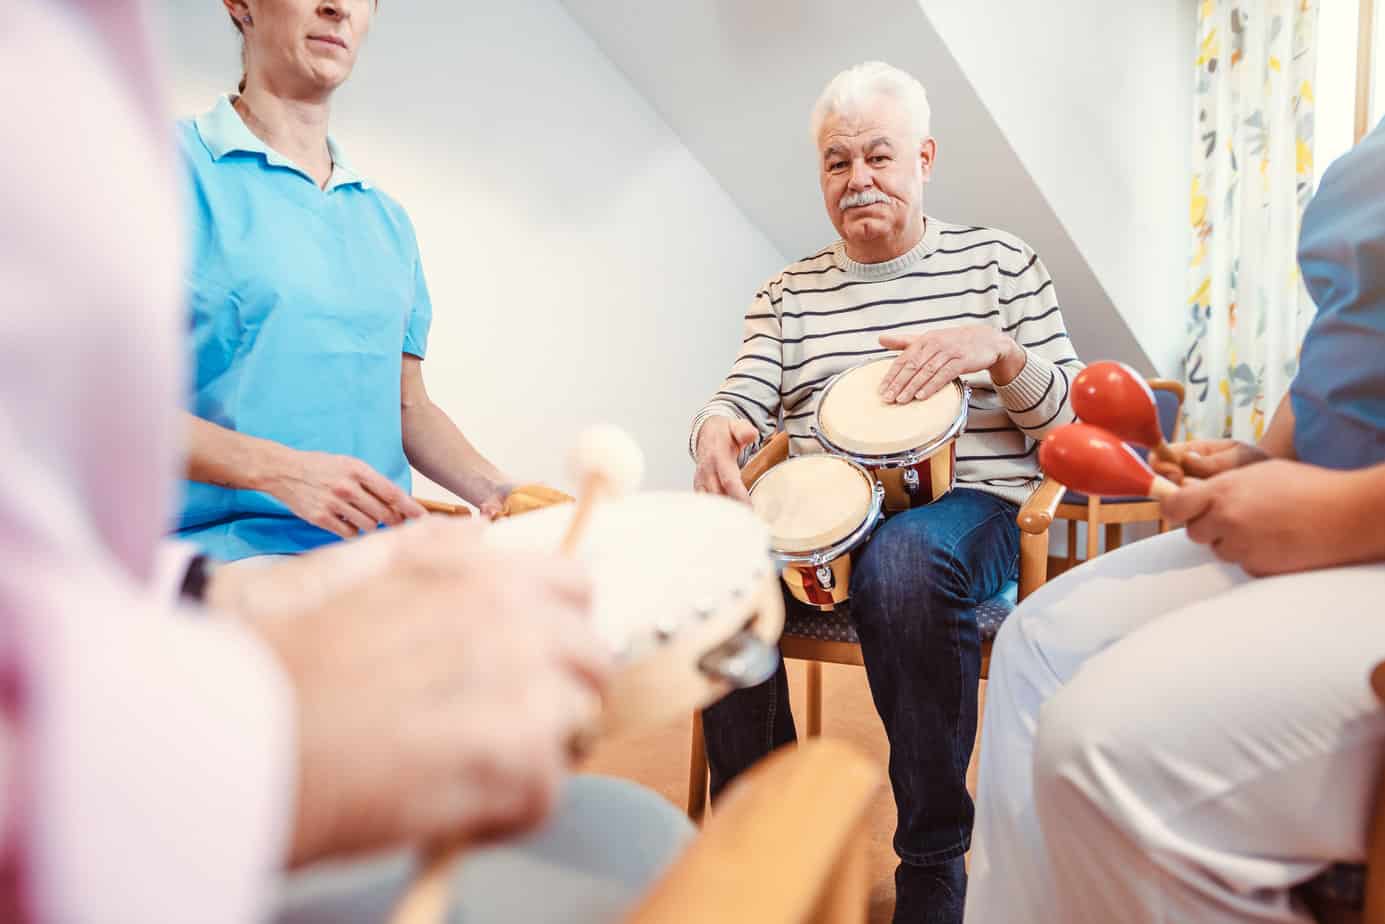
(1276, 517)
(438, 697)
(340, 494)
(492, 506)
(1206, 458)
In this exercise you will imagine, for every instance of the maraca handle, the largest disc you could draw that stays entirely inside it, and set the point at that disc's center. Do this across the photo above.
(1161, 487)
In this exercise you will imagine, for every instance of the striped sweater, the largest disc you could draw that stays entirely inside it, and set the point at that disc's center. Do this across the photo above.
(826, 313)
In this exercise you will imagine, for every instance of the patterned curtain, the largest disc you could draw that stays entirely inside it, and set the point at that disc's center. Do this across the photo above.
(1252, 177)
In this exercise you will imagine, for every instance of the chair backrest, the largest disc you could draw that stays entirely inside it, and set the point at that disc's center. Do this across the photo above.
(1168, 397)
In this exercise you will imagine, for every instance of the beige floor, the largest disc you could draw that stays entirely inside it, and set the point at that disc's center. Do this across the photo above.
(660, 761)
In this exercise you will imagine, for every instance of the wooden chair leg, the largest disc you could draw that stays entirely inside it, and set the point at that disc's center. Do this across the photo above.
(1113, 536)
(814, 699)
(1072, 543)
(1374, 912)
(697, 772)
(1163, 525)
(1093, 533)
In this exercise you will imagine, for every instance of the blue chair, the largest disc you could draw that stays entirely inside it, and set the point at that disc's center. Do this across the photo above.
(830, 637)
(1114, 513)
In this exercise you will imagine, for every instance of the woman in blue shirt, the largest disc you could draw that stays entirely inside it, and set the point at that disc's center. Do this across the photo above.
(310, 313)
(1184, 729)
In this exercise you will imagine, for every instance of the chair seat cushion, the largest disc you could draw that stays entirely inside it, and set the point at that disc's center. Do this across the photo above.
(836, 626)
(1079, 499)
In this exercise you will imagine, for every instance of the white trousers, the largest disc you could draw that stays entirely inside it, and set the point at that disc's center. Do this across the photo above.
(1167, 739)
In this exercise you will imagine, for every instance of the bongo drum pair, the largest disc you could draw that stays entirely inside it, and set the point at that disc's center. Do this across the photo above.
(877, 458)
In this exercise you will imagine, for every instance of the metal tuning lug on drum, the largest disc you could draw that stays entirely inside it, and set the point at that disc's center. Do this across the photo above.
(744, 660)
(826, 579)
(911, 482)
(666, 628)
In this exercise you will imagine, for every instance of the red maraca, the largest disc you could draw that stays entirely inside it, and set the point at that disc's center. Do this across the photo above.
(1114, 396)
(1094, 461)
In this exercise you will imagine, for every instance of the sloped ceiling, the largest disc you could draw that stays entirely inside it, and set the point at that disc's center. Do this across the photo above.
(736, 80)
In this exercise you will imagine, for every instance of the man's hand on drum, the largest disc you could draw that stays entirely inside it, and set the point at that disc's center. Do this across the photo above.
(720, 443)
(438, 699)
(927, 362)
(340, 494)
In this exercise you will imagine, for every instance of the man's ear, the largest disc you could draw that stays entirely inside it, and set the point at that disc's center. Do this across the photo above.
(928, 152)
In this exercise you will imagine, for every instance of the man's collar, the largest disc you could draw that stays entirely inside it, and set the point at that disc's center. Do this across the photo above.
(224, 132)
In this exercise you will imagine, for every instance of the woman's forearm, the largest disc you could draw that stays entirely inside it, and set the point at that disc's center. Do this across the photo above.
(1362, 537)
(1278, 440)
(438, 448)
(230, 459)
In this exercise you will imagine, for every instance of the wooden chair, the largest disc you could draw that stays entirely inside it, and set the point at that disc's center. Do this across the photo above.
(787, 846)
(829, 638)
(1114, 514)
(444, 508)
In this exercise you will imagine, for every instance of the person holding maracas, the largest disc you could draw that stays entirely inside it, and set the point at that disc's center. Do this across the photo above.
(1184, 729)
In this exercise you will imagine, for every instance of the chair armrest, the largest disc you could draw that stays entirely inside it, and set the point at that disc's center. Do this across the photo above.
(1036, 516)
(527, 497)
(784, 846)
(444, 508)
(765, 458)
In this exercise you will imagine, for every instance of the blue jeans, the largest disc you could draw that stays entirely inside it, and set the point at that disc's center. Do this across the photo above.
(913, 587)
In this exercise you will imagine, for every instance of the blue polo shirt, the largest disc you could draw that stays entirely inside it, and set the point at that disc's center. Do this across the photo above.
(1338, 395)
(302, 301)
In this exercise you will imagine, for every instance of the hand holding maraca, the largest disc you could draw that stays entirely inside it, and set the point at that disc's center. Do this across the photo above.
(1208, 458)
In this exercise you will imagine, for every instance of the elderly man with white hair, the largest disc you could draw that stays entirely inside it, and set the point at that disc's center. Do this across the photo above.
(956, 301)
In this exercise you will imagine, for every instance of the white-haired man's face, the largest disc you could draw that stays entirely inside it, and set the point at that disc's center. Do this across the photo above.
(872, 170)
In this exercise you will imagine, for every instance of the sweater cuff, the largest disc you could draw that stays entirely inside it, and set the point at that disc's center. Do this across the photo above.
(1028, 389)
(713, 410)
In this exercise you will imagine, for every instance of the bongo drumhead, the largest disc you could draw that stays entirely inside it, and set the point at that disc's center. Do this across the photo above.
(812, 501)
(854, 417)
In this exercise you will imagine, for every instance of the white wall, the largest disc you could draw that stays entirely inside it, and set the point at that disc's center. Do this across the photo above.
(1096, 99)
(583, 265)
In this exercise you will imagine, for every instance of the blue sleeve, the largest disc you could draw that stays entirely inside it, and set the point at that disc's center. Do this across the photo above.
(420, 315)
(1339, 393)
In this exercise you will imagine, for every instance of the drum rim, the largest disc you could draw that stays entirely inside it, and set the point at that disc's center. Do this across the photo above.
(903, 458)
(823, 555)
